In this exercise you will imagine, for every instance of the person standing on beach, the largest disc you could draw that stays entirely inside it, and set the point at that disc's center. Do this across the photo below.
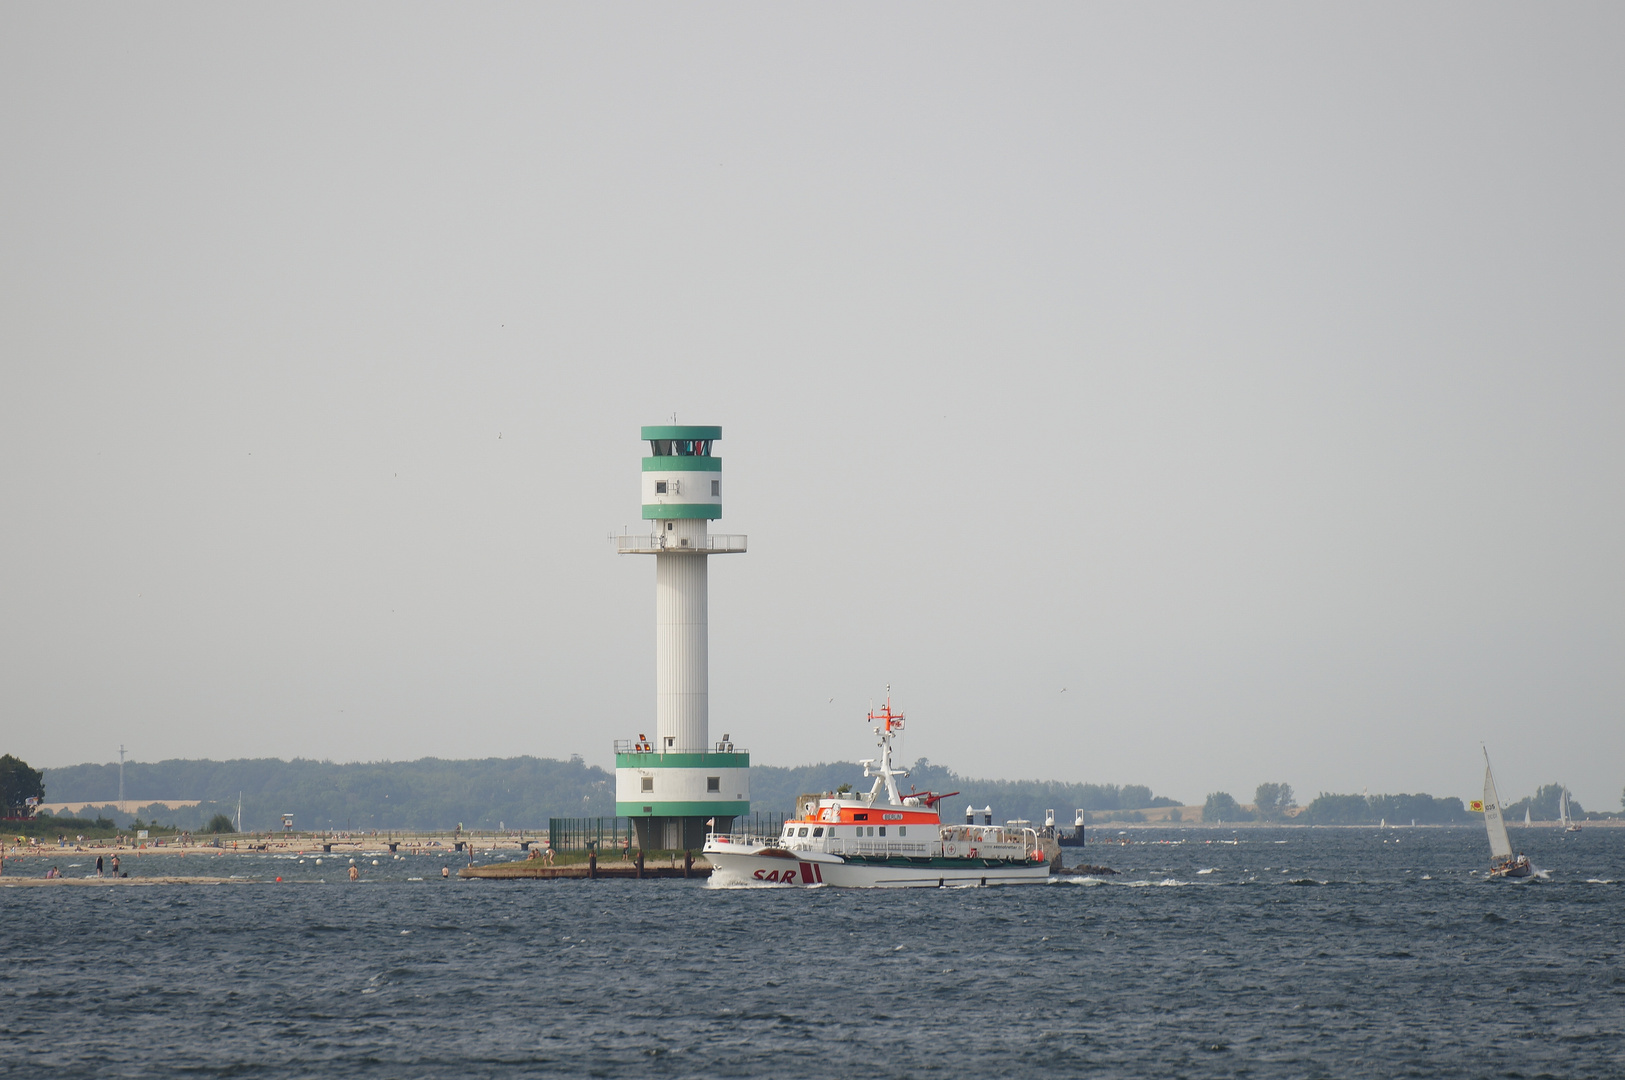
(115, 866)
(99, 866)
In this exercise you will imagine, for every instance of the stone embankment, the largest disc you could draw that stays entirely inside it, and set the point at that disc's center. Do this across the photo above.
(539, 869)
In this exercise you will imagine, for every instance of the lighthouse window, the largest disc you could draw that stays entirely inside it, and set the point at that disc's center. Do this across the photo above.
(713, 783)
(716, 487)
(648, 783)
(680, 447)
(660, 487)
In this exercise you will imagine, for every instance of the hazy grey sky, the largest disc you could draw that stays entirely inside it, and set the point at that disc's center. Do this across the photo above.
(1252, 372)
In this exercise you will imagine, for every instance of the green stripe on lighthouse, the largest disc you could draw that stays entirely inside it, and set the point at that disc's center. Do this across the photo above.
(681, 431)
(682, 463)
(730, 808)
(680, 511)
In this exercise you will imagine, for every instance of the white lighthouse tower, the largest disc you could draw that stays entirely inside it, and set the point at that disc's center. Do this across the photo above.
(673, 782)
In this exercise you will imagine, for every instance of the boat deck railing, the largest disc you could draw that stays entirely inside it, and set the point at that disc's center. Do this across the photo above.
(746, 840)
(842, 846)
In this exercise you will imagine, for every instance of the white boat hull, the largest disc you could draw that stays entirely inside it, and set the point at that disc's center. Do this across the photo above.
(802, 869)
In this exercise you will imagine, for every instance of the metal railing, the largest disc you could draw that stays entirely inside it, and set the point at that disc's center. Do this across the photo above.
(744, 840)
(655, 543)
(653, 748)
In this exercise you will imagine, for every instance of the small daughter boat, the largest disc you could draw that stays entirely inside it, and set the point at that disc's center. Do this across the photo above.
(884, 839)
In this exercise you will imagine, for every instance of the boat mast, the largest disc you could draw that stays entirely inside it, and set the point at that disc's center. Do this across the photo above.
(885, 776)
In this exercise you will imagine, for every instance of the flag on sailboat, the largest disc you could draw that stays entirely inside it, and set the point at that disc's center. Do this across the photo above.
(1476, 806)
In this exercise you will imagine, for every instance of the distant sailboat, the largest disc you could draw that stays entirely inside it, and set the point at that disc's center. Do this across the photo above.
(1563, 819)
(1526, 821)
(1502, 863)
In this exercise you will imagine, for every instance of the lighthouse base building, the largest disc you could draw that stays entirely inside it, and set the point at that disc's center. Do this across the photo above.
(678, 785)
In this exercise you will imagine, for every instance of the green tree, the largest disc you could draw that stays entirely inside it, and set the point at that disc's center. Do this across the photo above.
(18, 783)
(1134, 797)
(1272, 801)
(1221, 807)
(1328, 809)
(220, 823)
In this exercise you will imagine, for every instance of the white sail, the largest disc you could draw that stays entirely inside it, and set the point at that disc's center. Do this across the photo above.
(1526, 820)
(1563, 808)
(1500, 843)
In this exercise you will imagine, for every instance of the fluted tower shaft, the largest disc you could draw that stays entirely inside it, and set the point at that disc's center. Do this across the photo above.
(682, 663)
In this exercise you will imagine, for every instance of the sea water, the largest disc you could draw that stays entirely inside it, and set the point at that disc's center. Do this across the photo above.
(1258, 953)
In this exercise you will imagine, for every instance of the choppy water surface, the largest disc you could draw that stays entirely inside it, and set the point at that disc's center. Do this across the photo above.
(1288, 953)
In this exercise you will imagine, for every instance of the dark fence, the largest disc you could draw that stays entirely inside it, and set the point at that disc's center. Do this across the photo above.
(759, 824)
(582, 833)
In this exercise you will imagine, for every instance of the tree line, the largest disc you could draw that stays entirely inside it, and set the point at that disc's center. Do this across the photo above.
(432, 794)
(519, 793)
(1276, 802)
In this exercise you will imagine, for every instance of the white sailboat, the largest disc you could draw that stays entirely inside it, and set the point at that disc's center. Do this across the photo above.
(1563, 818)
(1526, 821)
(1502, 862)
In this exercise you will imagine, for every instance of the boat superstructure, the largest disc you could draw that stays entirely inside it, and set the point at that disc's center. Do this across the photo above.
(882, 839)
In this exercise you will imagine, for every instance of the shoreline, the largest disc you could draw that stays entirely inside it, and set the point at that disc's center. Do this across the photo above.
(9, 882)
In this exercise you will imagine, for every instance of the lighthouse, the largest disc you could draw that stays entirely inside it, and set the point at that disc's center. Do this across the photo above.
(674, 779)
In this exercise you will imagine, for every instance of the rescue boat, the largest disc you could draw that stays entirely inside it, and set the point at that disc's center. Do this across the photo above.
(883, 839)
